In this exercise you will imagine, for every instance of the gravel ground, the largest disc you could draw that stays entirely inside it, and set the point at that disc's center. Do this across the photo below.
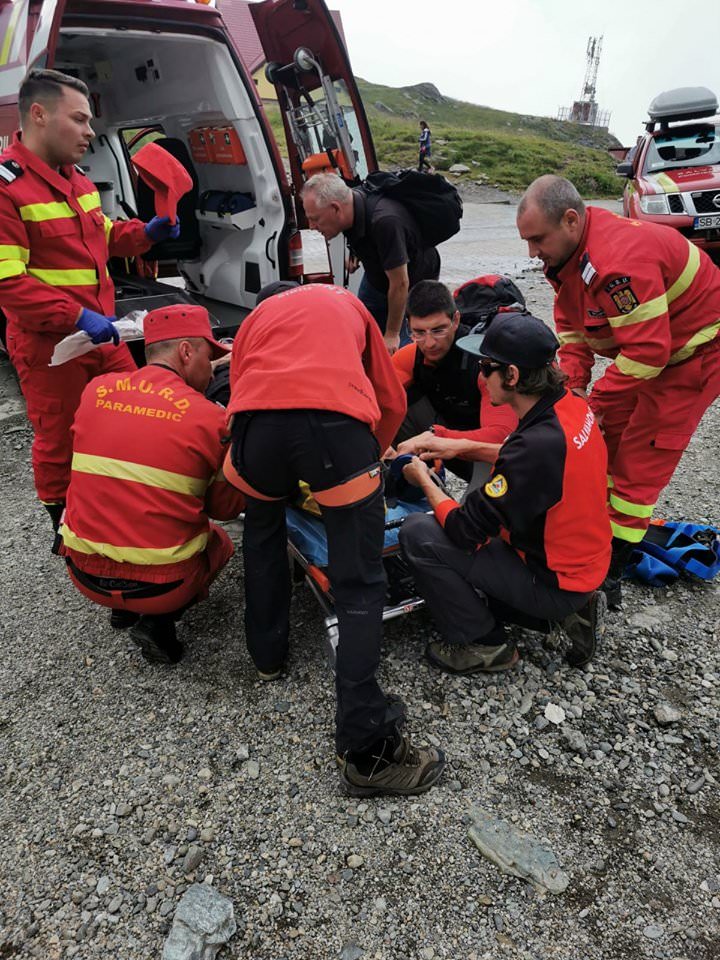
(122, 783)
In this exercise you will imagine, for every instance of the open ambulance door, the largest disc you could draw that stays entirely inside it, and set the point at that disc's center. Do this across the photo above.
(324, 119)
(28, 35)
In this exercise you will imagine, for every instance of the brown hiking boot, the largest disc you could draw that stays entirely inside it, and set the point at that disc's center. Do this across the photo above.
(465, 658)
(396, 767)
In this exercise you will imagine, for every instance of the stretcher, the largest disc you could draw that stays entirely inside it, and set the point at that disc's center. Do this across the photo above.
(308, 552)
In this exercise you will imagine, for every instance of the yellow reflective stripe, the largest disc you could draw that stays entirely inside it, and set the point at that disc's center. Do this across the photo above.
(600, 344)
(633, 368)
(37, 212)
(644, 311)
(666, 182)
(631, 509)
(627, 533)
(697, 340)
(610, 481)
(9, 252)
(108, 229)
(65, 278)
(89, 201)
(138, 473)
(573, 337)
(10, 33)
(688, 274)
(11, 268)
(143, 555)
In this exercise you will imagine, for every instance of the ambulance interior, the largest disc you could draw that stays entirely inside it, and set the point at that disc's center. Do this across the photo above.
(176, 85)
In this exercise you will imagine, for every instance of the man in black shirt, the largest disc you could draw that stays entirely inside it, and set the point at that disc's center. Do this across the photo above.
(383, 236)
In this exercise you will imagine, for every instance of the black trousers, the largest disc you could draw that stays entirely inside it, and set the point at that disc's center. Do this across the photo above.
(467, 593)
(272, 450)
(420, 416)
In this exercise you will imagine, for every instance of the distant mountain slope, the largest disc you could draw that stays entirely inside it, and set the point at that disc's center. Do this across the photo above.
(500, 148)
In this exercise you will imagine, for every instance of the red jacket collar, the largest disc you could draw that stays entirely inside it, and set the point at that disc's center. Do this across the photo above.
(63, 179)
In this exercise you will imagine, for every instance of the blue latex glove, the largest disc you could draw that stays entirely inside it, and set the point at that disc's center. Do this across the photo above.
(160, 228)
(100, 329)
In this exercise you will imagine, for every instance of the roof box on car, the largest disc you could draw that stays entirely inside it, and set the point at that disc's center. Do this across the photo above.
(683, 103)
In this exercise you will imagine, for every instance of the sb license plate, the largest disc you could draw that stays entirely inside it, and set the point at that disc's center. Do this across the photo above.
(707, 223)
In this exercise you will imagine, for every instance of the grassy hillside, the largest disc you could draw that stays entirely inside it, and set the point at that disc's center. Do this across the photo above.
(502, 149)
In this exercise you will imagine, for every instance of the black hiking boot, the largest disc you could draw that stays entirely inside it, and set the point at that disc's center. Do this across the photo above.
(585, 630)
(156, 637)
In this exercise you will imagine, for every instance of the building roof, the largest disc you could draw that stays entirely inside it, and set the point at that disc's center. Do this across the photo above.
(239, 21)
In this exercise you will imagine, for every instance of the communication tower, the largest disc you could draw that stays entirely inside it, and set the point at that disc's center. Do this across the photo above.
(585, 110)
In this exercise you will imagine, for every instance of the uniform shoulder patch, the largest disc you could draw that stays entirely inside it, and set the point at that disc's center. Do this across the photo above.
(617, 282)
(624, 299)
(10, 170)
(497, 486)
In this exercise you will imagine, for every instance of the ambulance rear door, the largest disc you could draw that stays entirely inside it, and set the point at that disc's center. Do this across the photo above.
(28, 34)
(323, 115)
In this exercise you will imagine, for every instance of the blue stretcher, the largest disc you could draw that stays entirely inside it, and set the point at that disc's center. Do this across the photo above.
(307, 548)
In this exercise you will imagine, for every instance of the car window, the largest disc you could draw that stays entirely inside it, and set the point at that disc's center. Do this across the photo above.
(696, 147)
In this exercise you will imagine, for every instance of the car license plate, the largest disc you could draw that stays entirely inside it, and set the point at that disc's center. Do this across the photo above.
(707, 223)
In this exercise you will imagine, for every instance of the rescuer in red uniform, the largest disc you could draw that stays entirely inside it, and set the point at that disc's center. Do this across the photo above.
(535, 540)
(315, 398)
(646, 297)
(54, 245)
(147, 473)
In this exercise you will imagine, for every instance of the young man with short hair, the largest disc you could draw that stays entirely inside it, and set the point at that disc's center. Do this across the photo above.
(445, 393)
(55, 242)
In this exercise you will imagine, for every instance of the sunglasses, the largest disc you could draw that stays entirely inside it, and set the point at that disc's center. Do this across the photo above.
(488, 366)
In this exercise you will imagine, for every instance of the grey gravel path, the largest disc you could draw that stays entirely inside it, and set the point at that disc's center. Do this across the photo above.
(121, 783)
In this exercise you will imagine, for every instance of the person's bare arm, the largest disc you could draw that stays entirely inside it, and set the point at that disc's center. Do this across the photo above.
(398, 286)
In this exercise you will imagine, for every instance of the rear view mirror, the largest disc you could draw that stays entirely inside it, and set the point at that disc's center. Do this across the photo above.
(625, 169)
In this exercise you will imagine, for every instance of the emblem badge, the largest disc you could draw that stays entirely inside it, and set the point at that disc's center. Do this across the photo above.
(497, 486)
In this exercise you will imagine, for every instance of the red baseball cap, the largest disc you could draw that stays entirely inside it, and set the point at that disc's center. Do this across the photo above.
(180, 321)
(166, 177)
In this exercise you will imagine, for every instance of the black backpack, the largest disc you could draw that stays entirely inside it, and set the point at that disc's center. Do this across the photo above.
(435, 204)
(481, 298)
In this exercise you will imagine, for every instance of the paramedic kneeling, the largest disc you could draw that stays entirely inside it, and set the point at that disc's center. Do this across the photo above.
(535, 540)
(146, 474)
(315, 398)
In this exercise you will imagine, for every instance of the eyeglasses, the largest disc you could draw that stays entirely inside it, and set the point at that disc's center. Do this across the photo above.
(487, 367)
(437, 333)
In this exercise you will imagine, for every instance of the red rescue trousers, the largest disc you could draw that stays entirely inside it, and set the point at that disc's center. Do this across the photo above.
(646, 438)
(52, 395)
(193, 587)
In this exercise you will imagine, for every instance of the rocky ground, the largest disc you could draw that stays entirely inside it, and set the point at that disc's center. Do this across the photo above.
(123, 783)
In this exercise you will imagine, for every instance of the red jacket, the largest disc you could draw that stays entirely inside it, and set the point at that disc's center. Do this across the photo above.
(316, 348)
(54, 246)
(146, 474)
(636, 292)
(547, 497)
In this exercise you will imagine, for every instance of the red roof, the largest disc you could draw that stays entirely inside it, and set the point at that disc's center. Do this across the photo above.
(236, 14)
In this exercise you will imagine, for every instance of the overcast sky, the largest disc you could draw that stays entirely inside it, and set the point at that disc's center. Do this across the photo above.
(528, 56)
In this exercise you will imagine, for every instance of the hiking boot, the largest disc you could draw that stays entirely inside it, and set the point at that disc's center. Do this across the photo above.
(393, 766)
(122, 619)
(267, 676)
(156, 637)
(613, 593)
(462, 658)
(585, 630)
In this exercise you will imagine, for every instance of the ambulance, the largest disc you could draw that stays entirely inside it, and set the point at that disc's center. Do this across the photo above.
(168, 71)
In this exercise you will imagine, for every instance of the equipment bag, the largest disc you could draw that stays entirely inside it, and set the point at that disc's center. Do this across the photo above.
(690, 548)
(481, 298)
(435, 204)
(224, 202)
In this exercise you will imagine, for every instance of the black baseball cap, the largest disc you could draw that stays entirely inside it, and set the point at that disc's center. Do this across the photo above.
(518, 338)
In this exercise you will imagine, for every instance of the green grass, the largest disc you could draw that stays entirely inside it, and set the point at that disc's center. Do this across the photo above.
(502, 149)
